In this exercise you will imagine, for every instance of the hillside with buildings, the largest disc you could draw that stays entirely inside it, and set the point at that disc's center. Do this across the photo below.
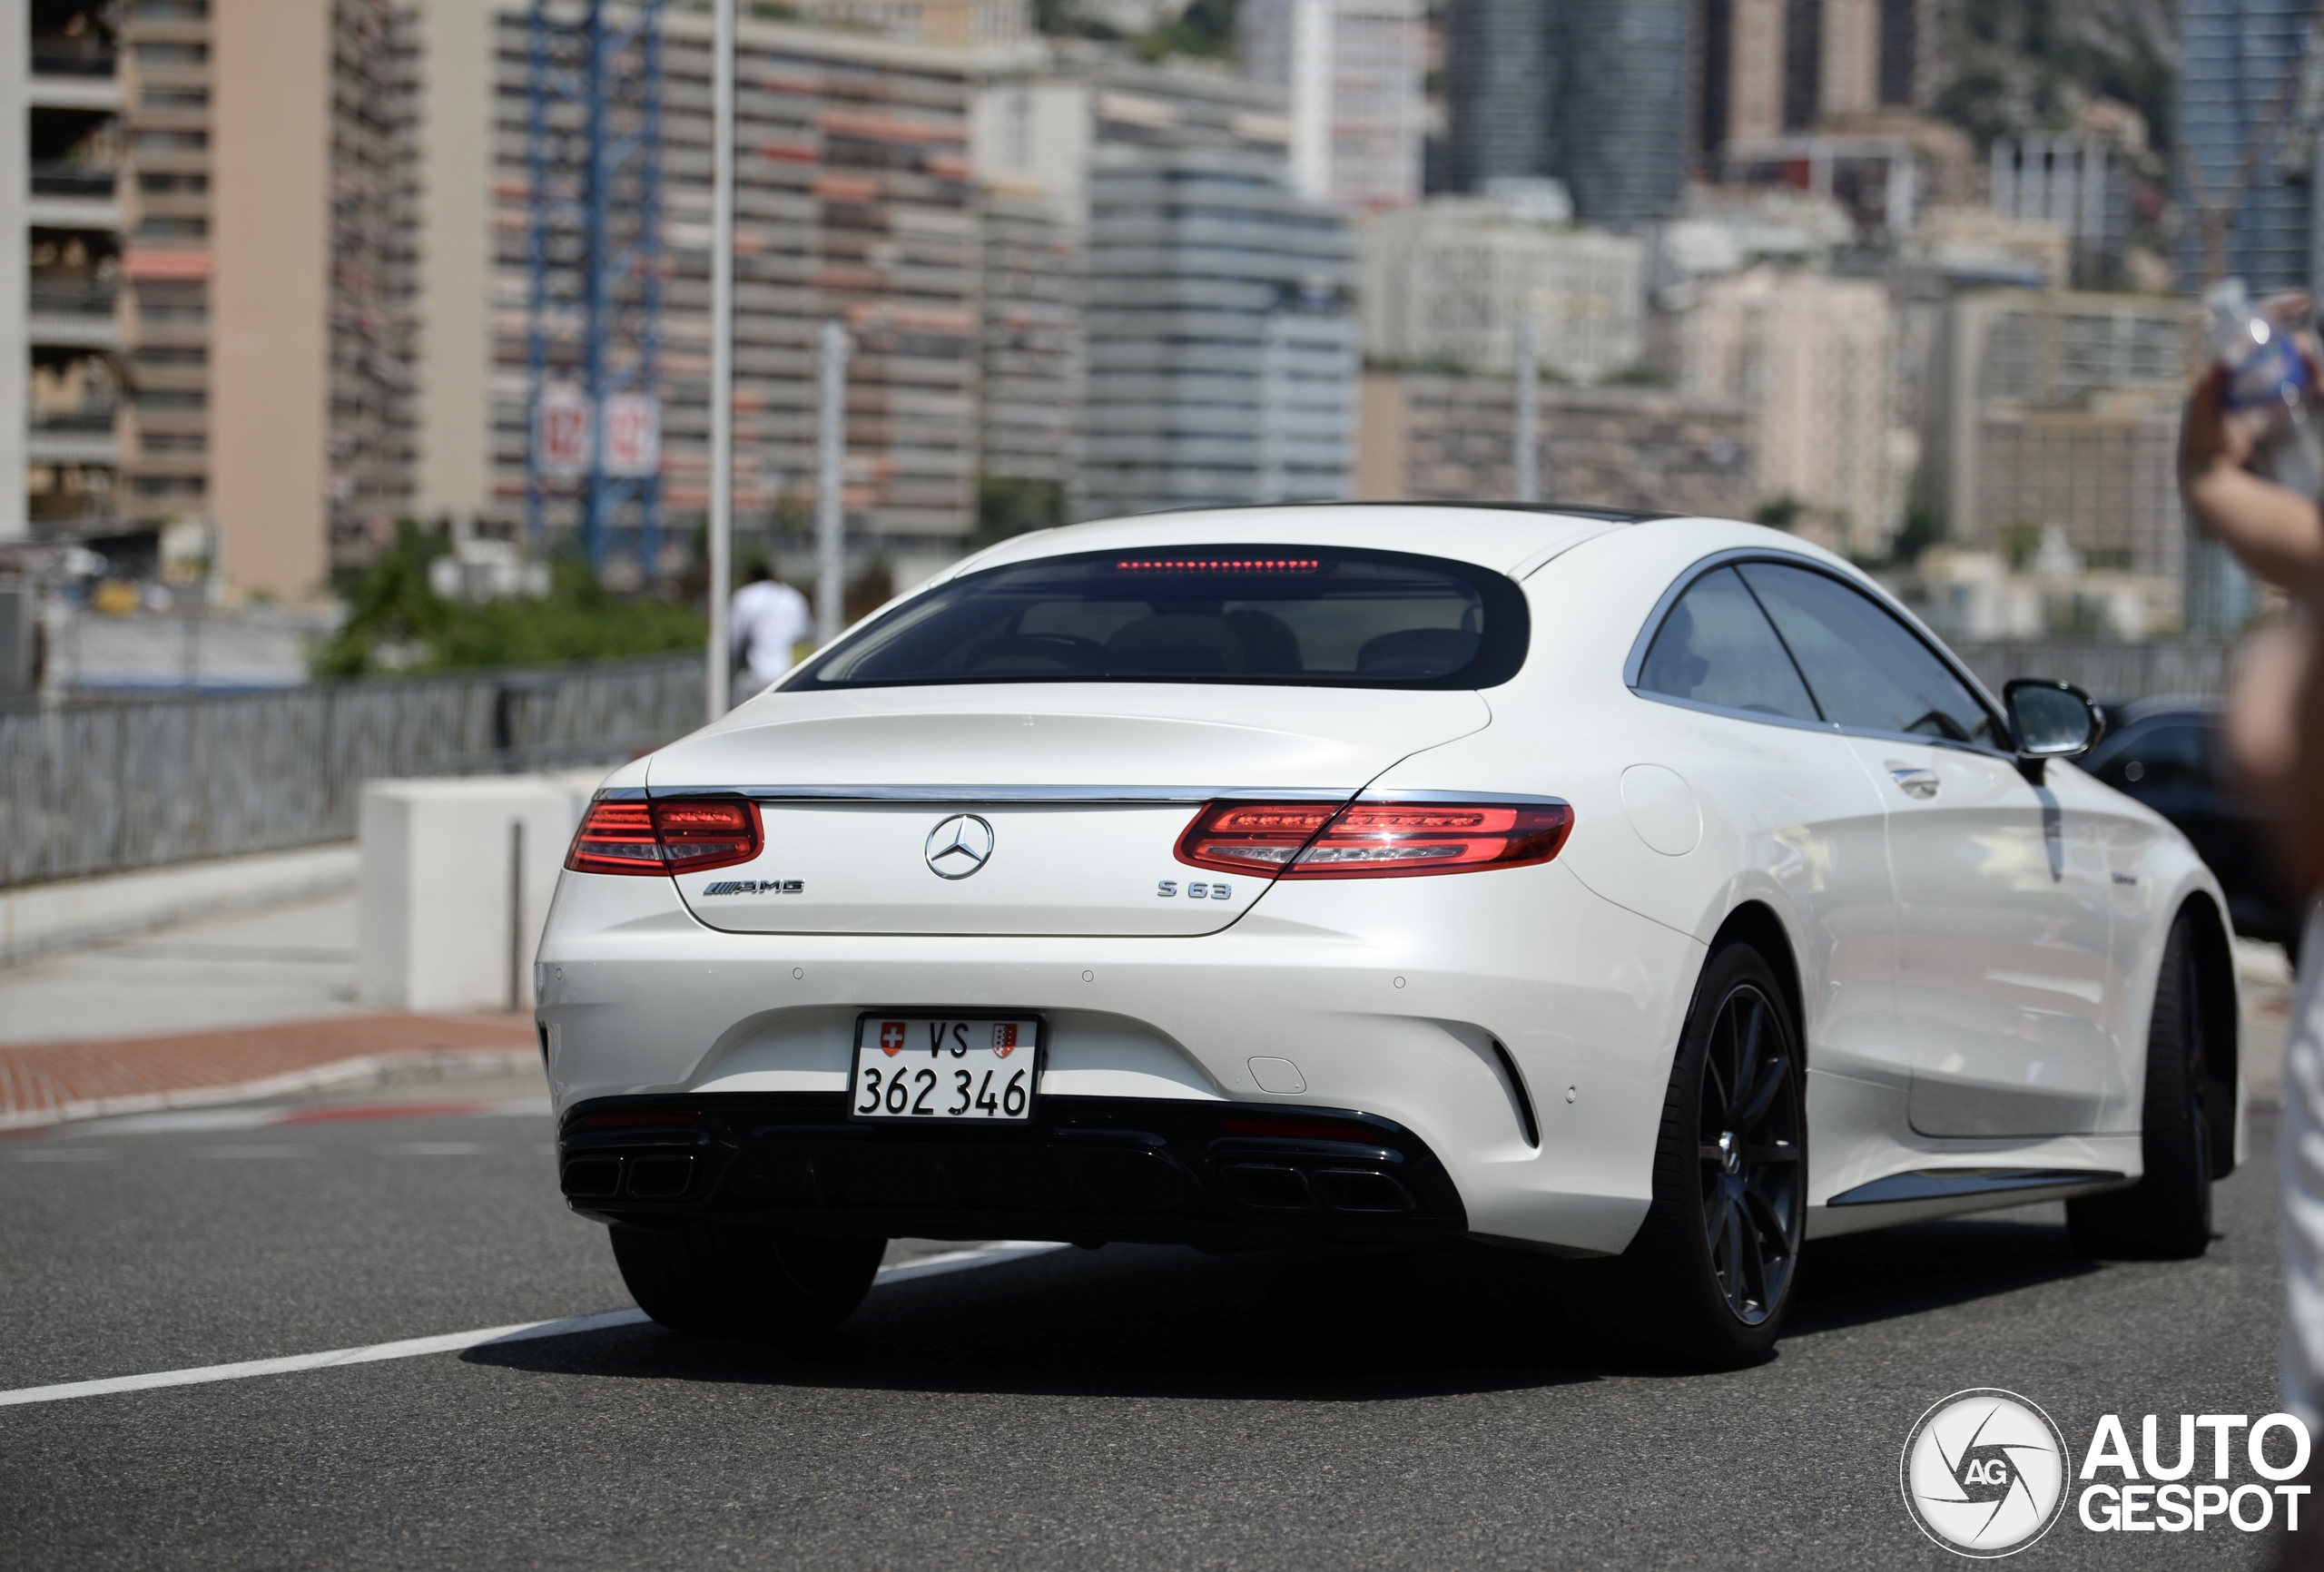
(1907, 278)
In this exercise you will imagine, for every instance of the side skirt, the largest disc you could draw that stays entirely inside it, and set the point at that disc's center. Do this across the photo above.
(1928, 1193)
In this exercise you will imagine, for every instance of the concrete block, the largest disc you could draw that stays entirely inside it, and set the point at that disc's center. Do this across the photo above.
(455, 882)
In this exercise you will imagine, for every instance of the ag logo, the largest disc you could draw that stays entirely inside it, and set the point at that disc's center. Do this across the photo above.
(1984, 1473)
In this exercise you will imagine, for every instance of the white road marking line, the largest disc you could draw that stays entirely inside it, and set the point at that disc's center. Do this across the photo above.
(174, 1124)
(453, 1343)
(430, 1148)
(958, 1260)
(411, 1348)
(64, 1155)
(251, 1151)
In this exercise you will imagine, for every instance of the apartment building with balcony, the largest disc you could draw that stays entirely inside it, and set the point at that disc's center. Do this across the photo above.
(853, 200)
(60, 198)
(197, 300)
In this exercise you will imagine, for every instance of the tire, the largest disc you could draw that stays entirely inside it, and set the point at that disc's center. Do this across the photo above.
(1713, 1269)
(2167, 1214)
(709, 1280)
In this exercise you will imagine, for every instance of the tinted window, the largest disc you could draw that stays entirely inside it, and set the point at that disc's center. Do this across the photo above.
(1716, 648)
(2173, 756)
(1866, 668)
(1227, 613)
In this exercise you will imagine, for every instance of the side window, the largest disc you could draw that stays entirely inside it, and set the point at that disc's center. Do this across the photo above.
(1864, 667)
(1716, 648)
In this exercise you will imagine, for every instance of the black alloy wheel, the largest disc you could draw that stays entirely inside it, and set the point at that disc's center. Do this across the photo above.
(2167, 1214)
(1754, 1205)
(1714, 1264)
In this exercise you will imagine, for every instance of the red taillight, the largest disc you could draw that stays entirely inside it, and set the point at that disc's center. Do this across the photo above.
(616, 838)
(1252, 837)
(672, 837)
(708, 834)
(1373, 840)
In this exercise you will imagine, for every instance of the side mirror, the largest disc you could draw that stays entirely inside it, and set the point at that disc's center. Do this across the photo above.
(2050, 720)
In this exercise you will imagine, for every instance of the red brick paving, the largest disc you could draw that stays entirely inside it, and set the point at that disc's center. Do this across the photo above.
(44, 1080)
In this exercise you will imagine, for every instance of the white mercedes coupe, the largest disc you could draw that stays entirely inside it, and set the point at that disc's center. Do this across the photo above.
(1586, 882)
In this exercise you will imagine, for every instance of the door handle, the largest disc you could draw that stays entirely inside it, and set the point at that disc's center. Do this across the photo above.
(1920, 784)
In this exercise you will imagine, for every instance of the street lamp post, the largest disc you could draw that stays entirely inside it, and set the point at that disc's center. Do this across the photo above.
(831, 484)
(719, 658)
(1525, 420)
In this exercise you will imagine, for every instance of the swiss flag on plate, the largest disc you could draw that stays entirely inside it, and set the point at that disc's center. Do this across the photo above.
(891, 1038)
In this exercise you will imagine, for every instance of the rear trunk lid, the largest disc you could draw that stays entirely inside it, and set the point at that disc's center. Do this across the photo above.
(1035, 808)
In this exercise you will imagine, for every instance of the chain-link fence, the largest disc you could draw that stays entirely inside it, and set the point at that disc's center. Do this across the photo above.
(100, 787)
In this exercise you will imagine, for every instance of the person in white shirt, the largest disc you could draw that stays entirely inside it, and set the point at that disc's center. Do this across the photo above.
(770, 617)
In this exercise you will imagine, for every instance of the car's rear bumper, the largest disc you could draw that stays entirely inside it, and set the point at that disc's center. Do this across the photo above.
(1514, 1021)
(1221, 1175)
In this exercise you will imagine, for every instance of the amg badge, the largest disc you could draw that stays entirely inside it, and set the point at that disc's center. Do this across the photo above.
(756, 887)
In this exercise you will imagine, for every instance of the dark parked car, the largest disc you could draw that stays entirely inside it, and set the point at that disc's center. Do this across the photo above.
(2165, 752)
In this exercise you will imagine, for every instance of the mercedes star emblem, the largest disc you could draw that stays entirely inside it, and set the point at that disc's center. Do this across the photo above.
(960, 846)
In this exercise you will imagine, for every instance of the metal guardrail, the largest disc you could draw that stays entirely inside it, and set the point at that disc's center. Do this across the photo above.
(2184, 668)
(112, 785)
(68, 61)
(96, 419)
(63, 178)
(71, 299)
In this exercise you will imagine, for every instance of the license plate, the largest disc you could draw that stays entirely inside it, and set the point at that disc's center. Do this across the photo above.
(941, 1069)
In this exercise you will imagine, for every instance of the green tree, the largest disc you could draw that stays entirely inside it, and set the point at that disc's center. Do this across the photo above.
(396, 621)
(1205, 28)
(1006, 505)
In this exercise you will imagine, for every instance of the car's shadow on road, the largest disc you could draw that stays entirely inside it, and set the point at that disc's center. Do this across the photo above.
(1322, 1326)
(1895, 1272)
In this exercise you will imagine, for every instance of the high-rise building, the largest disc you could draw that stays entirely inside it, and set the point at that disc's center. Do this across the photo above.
(1592, 93)
(1448, 282)
(209, 333)
(1352, 71)
(1221, 341)
(60, 204)
(1500, 83)
(853, 200)
(1029, 337)
(1814, 356)
(1439, 437)
(936, 23)
(1774, 67)
(1222, 350)
(2060, 408)
(1040, 120)
(2233, 56)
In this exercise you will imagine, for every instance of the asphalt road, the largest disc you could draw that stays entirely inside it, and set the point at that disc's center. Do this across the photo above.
(1133, 1407)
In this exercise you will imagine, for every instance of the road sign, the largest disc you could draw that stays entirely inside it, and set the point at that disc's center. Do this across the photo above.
(633, 436)
(561, 432)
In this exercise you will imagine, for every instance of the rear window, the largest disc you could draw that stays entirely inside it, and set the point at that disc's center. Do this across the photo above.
(1296, 615)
